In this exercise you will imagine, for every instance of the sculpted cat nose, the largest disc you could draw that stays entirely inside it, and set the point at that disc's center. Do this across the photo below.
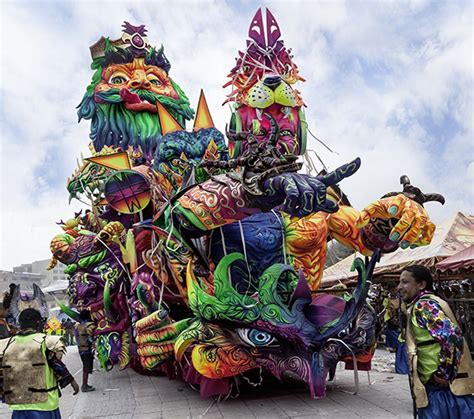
(139, 80)
(272, 82)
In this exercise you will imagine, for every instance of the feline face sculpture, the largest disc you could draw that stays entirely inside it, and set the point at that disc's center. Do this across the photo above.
(262, 86)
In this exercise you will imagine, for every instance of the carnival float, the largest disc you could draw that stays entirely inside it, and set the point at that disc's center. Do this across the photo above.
(200, 253)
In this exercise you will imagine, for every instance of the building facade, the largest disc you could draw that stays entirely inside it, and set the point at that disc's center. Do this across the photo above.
(28, 273)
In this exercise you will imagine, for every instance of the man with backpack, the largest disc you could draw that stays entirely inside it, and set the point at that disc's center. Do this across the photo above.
(32, 369)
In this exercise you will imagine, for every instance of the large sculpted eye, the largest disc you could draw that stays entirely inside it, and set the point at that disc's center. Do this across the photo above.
(154, 80)
(255, 337)
(118, 79)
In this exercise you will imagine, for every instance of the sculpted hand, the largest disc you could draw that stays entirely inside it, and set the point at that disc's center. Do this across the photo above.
(413, 227)
(301, 195)
(156, 335)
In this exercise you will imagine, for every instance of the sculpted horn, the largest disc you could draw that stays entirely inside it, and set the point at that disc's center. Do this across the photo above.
(357, 299)
(73, 314)
(267, 288)
(436, 197)
(109, 310)
(52, 263)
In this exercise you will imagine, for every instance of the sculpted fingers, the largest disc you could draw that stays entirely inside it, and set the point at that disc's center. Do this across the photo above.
(413, 227)
(290, 203)
(375, 210)
(414, 231)
(330, 206)
(341, 172)
(391, 207)
(301, 194)
(307, 198)
(403, 224)
(323, 203)
(426, 236)
(396, 205)
(305, 195)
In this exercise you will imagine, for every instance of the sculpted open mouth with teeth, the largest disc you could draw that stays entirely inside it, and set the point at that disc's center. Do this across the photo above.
(262, 84)
(256, 121)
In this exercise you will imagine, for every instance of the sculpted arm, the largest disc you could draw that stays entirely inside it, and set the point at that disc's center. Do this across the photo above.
(342, 227)
(214, 203)
(387, 223)
(225, 199)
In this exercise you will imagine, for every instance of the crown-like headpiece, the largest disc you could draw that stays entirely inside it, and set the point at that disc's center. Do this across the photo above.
(265, 53)
(133, 38)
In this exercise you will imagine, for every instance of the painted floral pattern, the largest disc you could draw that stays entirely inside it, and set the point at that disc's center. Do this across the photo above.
(430, 316)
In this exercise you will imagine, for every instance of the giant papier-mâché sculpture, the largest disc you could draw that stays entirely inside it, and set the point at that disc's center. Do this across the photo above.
(203, 259)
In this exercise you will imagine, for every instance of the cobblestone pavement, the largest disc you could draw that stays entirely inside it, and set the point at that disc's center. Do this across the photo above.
(126, 394)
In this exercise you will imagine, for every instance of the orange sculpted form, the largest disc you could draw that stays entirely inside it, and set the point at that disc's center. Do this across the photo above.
(306, 239)
(414, 225)
(342, 227)
(137, 75)
(306, 243)
(214, 361)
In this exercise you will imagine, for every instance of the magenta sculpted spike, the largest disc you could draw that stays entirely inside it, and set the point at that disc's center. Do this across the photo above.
(256, 30)
(273, 30)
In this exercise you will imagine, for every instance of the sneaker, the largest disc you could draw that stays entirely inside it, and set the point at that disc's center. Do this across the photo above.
(86, 389)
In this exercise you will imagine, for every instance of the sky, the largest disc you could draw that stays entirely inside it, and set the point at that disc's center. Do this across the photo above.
(390, 82)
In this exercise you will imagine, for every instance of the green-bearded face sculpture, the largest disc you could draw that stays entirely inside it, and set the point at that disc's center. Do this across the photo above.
(130, 78)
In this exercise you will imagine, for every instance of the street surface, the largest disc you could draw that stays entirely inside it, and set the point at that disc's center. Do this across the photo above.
(126, 394)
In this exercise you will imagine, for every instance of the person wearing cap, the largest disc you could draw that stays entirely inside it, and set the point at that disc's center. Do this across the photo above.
(441, 375)
(83, 333)
(33, 370)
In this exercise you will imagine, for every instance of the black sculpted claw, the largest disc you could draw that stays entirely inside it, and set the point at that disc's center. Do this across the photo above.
(341, 172)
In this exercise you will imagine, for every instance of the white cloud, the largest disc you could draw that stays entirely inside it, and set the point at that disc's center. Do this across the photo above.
(376, 73)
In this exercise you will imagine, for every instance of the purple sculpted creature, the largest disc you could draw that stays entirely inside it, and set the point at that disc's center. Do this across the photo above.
(97, 283)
